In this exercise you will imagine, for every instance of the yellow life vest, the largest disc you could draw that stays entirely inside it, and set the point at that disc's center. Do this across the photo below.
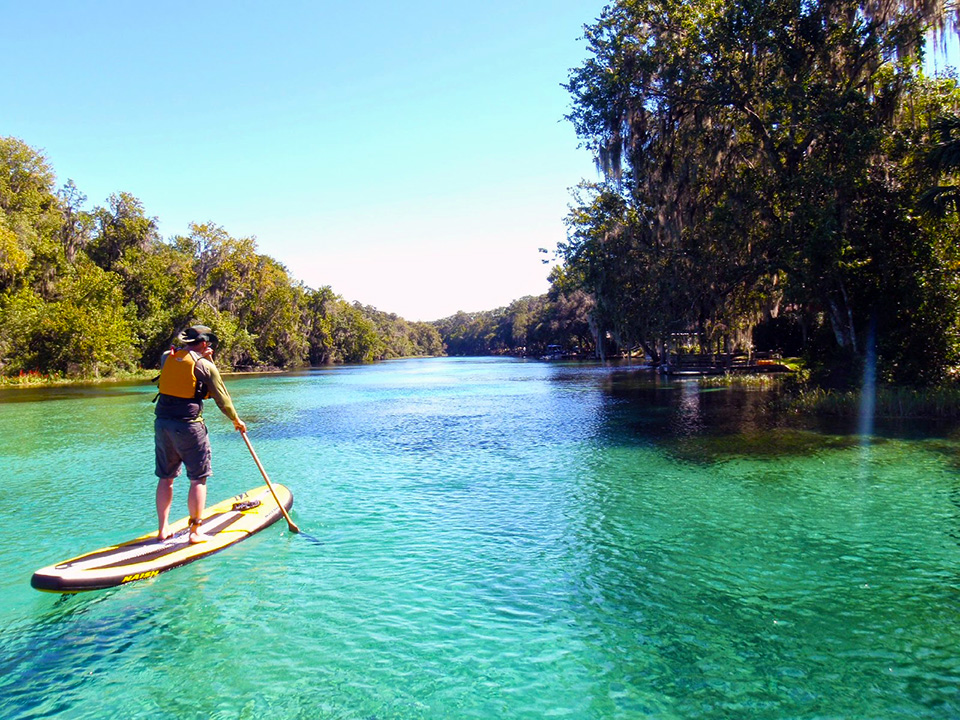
(177, 378)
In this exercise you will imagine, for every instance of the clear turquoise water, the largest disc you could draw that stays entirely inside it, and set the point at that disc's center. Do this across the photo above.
(501, 539)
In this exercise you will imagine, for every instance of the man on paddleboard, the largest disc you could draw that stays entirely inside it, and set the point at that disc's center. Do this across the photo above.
(187, 377)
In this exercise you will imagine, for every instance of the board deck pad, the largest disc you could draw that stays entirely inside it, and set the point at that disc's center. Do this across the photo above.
(225, 523)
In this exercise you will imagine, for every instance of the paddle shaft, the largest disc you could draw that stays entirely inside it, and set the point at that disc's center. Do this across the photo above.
(290, 524)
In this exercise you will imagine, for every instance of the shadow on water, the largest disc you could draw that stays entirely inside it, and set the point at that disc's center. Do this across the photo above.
(712, 424)
(425, 416)
(71, 634)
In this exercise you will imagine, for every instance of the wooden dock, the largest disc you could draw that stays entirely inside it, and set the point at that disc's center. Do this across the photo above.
(723, 364)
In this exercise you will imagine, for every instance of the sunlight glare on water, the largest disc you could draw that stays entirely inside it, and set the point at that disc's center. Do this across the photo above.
(501, 539)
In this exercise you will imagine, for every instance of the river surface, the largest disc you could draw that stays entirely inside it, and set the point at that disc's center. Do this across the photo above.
(499, 539)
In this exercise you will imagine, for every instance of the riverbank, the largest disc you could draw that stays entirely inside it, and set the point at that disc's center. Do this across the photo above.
(34, 379)
(941, 402)
(796, 395)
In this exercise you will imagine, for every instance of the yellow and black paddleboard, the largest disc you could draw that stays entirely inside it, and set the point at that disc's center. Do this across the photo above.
(145, 557)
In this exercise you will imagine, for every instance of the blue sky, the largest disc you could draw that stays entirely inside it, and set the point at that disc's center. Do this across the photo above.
(412, 155)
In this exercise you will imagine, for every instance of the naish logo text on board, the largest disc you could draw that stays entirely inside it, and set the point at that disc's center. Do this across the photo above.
(140, 576)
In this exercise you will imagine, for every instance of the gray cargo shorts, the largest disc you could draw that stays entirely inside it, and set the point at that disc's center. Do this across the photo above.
(182, 443)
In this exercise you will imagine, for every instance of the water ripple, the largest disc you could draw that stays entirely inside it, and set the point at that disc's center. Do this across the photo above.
(500, 539)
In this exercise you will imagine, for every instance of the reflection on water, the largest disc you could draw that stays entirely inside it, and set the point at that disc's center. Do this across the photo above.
(501, 539)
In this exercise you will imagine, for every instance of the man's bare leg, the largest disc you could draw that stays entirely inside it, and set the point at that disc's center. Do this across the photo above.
(196, 502)
(164, 500)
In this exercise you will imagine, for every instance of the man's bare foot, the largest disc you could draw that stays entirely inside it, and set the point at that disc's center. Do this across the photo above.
(164, 534)
(198, 537)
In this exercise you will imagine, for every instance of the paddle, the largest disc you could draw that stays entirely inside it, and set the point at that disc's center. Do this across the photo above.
(290, 524)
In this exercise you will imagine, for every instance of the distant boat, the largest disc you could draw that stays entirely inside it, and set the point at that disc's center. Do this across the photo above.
(554, 352)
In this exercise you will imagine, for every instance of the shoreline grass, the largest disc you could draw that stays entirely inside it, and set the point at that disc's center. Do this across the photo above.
(34, 379)
(794, 394)
(889, 402)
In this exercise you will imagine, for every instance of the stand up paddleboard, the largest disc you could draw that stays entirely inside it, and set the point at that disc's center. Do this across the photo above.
(145, 557)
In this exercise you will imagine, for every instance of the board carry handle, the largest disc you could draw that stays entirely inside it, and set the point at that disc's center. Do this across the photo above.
(290, 523)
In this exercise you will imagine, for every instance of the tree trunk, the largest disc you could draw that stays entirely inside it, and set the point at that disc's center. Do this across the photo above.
(841, 319)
